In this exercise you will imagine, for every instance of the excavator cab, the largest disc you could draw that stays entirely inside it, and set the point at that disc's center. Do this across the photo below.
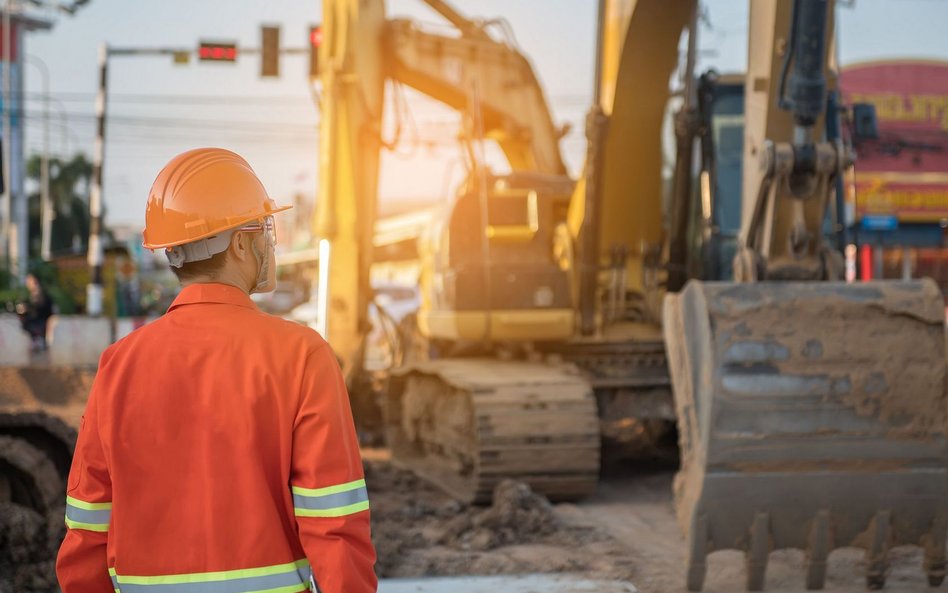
(716, 223)
(497, 279)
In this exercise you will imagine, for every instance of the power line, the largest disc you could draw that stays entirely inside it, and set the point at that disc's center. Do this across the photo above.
(189, 124)
(88, 97)
(166, 98)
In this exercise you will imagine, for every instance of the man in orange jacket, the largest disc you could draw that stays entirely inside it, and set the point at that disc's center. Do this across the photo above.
(217, 453)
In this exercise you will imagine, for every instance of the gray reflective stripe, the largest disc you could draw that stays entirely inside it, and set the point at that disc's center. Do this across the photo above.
(330, 501)
(115, 584)
(292, 580)
(100, 517)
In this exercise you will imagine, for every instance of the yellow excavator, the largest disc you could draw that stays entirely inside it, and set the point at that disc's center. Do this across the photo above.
(811, 413)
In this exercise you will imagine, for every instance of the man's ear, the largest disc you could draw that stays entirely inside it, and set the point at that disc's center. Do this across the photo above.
(239, 247)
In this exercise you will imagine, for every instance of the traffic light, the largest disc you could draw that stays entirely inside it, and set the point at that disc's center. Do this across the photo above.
(269, 51)
(315, 40)
(212, 51)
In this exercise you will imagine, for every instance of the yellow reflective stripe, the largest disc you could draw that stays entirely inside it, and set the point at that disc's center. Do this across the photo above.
(89, 506)
(200, 577)
(111, 572)
(100, 527)
(328, 489)
(287, 589)
(336, 512)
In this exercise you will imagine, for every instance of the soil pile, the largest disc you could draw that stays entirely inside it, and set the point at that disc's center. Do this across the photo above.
(420, 531)
(27, 551)
(60, 391)
(29, 535)
(517, 516)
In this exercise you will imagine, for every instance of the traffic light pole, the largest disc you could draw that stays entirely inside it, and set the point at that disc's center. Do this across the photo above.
(96, 253)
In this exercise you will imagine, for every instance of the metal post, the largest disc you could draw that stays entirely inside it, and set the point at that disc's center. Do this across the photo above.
(95, 253)
(7, 136)
(20, 213)
(322, 292)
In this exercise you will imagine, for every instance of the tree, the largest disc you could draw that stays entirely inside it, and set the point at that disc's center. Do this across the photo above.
(69, 193)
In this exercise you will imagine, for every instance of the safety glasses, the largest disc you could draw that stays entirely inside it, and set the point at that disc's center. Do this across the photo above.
(267, 226)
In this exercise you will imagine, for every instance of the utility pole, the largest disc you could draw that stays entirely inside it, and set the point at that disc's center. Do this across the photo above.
(95, 252)
(8, 240)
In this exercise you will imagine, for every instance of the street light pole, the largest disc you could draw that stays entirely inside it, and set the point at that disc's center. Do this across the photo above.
(94, 291)
(47, 214)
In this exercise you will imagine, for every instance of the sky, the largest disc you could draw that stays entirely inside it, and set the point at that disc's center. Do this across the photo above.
(157, 109)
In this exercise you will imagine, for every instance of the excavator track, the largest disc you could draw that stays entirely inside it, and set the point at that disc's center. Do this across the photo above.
(467, 425)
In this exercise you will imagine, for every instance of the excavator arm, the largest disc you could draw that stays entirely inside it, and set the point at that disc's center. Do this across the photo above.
(487, 80)
(791, 170)
(352, 77)
(475, 74)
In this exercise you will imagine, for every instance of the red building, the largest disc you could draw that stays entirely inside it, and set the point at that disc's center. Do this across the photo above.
(901, 178)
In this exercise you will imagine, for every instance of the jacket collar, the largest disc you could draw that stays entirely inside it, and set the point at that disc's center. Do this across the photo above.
(212, 293)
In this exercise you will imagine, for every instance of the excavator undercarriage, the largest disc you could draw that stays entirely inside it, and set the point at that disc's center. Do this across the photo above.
(468, 424)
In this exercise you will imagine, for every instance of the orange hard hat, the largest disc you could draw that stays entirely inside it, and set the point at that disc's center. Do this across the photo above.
(200, 193)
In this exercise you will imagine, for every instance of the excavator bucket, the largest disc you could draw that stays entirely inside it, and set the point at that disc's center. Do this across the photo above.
(811, 416)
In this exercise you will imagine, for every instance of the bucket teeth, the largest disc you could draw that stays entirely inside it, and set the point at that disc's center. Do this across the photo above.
(758, 552)
(877, 553)
(817, 551)
(934, 561)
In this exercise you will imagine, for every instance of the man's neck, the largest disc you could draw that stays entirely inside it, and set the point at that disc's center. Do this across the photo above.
(236, 283)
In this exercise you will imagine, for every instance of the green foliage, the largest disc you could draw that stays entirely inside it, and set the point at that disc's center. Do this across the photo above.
(10, 292)
(68, 189)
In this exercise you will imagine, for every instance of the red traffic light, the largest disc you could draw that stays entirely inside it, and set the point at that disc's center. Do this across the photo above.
(217, 52)
(315, 41)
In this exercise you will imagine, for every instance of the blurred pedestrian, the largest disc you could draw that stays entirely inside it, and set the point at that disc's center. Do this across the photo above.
(35, 312)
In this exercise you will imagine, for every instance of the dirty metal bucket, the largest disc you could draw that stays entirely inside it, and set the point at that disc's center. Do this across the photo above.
(811, 416)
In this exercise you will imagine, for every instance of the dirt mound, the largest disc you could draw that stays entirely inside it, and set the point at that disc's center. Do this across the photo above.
(44, 385)
(517, 516)
(40, 408)
(27, 554)
(420, 531)
(60, 391)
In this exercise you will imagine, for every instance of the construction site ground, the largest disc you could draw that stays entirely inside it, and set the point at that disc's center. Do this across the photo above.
(627, 531)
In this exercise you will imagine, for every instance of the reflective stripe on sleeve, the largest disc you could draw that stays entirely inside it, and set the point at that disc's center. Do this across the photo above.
(332, 501)
(91, 516)
(282, 578)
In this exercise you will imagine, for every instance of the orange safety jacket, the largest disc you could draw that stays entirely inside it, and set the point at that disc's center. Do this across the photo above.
(217, 454)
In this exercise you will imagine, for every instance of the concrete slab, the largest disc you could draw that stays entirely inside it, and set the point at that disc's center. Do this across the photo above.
(530, 583)
(14, 342)
(76, 340)
(126, 325)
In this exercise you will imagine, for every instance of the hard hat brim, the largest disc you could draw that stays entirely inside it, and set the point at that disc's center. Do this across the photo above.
(235, 222)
